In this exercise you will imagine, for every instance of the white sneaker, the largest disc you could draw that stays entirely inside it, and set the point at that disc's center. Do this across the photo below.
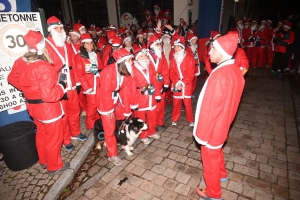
(155, 136)
(145, 141)
(174, 123)
(191, 124)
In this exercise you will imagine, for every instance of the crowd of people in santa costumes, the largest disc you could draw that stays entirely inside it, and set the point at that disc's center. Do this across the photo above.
(267, 46)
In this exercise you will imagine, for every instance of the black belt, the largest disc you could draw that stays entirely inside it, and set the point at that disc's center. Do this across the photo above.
(34, 101)
(197, 64)
(115, 92)
(70, 68)
(141, 87)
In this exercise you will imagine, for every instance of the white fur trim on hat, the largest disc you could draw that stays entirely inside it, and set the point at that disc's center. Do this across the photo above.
(221, 50)
(86, 40)
(40, 46)
(146, 51)
(53, 26)
(75, 33)
(126, 39)
(195, 37)
(155, 42)
(125, 58)
(286, 26)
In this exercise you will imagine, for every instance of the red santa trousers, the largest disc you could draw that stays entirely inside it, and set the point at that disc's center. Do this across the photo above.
(91, 111)
(177, 103)
(148, 116)
(109, 126)
(270, 55)
(258, 56)
(160, 110)
(249, 52)
(72, 110)
(168, 97)
(213, 170)
(49, 139)
(194, 84)
(65, 121)
(82, 101)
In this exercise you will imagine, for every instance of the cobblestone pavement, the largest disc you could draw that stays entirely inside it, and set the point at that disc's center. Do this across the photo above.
(261, 153)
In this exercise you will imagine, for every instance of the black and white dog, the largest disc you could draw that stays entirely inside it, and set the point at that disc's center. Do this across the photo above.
(127, 132)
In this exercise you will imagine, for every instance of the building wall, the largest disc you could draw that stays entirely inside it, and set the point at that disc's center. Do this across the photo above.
(112, 12)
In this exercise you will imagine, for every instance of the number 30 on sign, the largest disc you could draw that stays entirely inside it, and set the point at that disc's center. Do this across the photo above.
(12, 43)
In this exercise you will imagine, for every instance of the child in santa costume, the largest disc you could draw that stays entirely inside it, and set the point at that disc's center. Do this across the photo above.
(144, 79)
(115, 98)
(37, 79)
(88, 64)
(216, 108)
(182, 73)
(160, 65)
(59, 52)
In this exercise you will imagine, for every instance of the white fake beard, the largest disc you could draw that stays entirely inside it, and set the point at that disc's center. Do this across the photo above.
(157, 51)
(156, 11)
(240, 27)
(178, 56)
(253, 27)
(246, 26)
(166, 41)
(58, 38)
(194, 47)
(144, 63)
(129, 67)
(262, 27)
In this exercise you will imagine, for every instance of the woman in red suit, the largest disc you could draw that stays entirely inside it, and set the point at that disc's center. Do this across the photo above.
(88, 64)
(37, 79)
(114, 98)
(146, 88)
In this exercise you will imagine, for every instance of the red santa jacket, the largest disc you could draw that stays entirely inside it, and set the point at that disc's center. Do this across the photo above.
(161, 68)
(74, 49)
(240, 33)
(107, 51)
(284, 39)
(89, 81)
(261, 37)
(115, 90)
(217, 105)
(241, 60)
(184, 75)
(196, 58)
(138, 45)
(246, 32)
(142, 79)
(62, 61)
(38, 81)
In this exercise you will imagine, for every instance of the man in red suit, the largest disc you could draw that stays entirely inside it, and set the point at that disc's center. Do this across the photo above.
(160, 64)
(62, 63)
(158, 13)
(216, 108)
(36, 78)
(182, 74)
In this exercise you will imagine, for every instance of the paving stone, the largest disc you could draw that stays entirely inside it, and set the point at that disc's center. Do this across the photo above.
(268, 177)
(183, 178)
(245, 170)
(235, 186)
(294, 175)
(90, 193)
(294, 194)
(280, 191)
(168, 163)
(226, 194)
(237, 177)
(256, 183)
(169, 195)
(170, 184)
(249, 191)
(158, 169)
(262, 195)
(138, 170)
(182, 189)
(149, 175)
(169, 173)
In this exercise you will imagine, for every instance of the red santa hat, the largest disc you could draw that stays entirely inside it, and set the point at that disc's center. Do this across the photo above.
(99, 30)
(281, 22)
(139, 51)
(127, 39)
(181, 19)
(156, 6)
(126, 17)
(167, 11)
(115, 41)
(125, 30)
(53, 22)
(288, 25)
(147, 11)
(149, 22)
(246, 21)
(191, 36)
(192, 30)
(75, 31)
(112, 27)
(214, 35)
(270, 21)
(254, 20)
(121, 30)
(78, 27)
(184, 24)
(239, 22)
(152, 41)
(227, 44)
(263, 21)
(35, 41)
(86, 37)
(100, 45)
(121, 54)
(180, 41)
(91, 29)
(110, 35)
(140, 34)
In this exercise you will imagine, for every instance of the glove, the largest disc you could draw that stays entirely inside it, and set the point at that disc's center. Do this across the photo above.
(158, 100)
(251, 39)
(65, 97)
(164, 89)
(63, 84)
(283, 44)
(78, 88)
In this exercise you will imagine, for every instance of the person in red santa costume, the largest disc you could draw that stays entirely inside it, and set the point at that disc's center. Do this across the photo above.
(75, 44)
(250, 41)
(246, 31)
(192, 48)
(59, 52)
(127, 43)
(182, 77)
(115, 98)
(216, 108)
(259, 51)
(144, 79)
(239, 28)
(271, 46)
(159, 63)
(158, 13)
(37, 79)
(88, 64)
(110, 47)
(140, 41)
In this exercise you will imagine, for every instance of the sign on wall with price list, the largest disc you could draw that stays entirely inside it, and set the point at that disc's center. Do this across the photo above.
(13, 26)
